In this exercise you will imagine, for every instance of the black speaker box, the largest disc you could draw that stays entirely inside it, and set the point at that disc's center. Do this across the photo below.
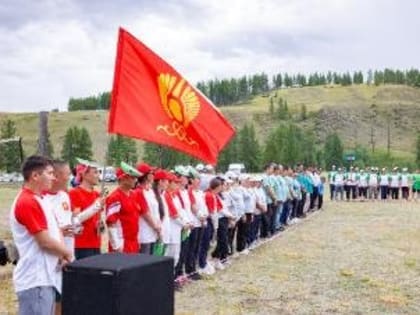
(119, 284)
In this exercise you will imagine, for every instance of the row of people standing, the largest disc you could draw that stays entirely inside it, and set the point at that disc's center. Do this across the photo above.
(373, 184)
(198, 219)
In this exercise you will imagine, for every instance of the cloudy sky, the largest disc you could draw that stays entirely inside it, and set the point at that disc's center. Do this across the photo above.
(51, 50)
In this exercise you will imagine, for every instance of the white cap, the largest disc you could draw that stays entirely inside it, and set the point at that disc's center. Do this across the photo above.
(199, 167)
(228, 181)
(256, 178)
(231, 174)
(209, 167)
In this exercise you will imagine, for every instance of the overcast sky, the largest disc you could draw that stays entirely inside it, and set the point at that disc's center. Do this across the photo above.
(51, 50)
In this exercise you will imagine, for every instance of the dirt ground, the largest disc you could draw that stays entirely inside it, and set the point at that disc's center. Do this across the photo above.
(351, 258)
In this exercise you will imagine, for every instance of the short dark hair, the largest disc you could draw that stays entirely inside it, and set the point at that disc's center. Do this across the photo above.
(269, 165)
(34, 163)
(214, 183)
(59, 163)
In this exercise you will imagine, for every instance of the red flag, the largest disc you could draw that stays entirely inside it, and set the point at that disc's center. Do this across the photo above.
(152, 101)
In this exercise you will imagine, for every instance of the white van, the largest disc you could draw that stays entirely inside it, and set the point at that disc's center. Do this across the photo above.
(237, 168)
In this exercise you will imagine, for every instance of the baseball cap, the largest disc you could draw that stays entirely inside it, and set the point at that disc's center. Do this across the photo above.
(145, 168)
(181, 170)
(161, 174)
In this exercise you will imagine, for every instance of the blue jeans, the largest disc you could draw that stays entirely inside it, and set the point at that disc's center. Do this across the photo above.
(277, 218)
(37, 301)
(285, 213)
(205, 243)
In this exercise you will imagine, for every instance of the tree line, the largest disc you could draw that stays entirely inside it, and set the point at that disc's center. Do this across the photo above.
(235, 90)
(288, 143)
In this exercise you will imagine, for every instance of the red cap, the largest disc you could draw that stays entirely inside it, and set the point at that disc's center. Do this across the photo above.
(145, 168)
(174, 178)
(120, 173)
(80, 170)
(162, 174)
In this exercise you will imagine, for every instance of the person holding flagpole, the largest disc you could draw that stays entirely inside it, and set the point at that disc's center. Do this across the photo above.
(86, 204)
(123, 211)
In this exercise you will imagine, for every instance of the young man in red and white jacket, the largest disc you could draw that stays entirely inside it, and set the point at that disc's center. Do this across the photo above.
(123, 212)
(38, 239)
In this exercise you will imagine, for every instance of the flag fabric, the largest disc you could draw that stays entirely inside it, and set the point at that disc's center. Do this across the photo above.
(151, 101)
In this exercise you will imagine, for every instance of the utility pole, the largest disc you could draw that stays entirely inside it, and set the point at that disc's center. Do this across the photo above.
(372, 139)
(388, 143)
(43, 134)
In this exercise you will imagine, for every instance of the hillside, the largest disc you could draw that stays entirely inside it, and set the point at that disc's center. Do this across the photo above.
(347, 110)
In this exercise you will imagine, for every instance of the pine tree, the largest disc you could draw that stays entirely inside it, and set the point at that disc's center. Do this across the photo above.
(121, 149)
(271, 148)
(333, 150)
(77, 143)
(249, 148)
(418, 150)
(230, 154)
(10, 151)
(165, 157)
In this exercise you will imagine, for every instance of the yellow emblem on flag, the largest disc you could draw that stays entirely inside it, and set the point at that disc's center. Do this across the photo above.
(180, 103)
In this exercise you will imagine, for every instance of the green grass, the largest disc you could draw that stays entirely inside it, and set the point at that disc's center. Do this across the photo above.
(331, 108)
(352, 258)
(7, 195)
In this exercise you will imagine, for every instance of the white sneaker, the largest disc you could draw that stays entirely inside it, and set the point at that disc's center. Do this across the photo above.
(207, 270)
(210, 268)
(295, 221)
(219, 265)
(244, 252)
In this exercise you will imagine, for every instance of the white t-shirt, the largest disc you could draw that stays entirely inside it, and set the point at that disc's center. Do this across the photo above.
(339, 179)
(395, 180)
(166, 226)
(249, 200)
(260, 198)
(205, 181)
(60, 203)
(404, 180)
(186, 201)
(35, 266)
(316, 179)
(202, 211)
(237, 196)
(175, 224)
(352, 179)
(363, 180)
(373, 180)
(384, 180)
(146, 233)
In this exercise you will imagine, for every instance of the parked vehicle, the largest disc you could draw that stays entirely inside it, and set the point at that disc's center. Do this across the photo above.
(237, 168)
(108, 174)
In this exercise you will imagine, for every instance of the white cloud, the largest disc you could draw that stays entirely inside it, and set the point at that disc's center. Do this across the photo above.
(52, 50)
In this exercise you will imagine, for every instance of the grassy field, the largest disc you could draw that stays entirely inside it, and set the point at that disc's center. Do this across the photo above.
(346, 110)
(351, 258)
